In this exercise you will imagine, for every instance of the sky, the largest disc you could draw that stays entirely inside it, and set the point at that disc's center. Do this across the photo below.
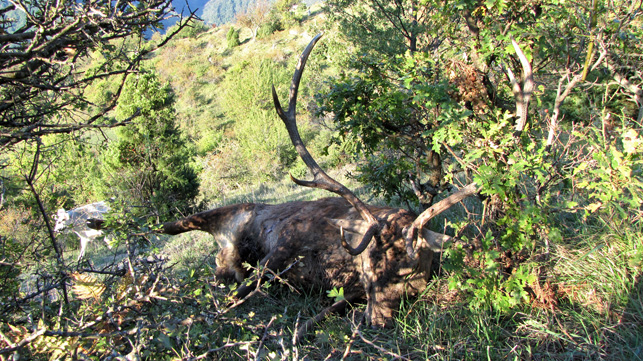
(181, 7)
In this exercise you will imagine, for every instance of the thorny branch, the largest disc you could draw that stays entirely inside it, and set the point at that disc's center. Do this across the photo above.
(38, 74)
(259, 275)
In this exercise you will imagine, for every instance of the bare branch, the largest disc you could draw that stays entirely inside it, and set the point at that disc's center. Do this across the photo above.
(38, 78)
(562, 95)
(24, 342)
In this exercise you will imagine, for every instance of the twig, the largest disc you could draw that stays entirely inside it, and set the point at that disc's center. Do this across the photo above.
(5, 339)
(59, 253)
(242, 300)
(278, 277)
(381, 349)
(263, 338)
(294, 335)
(29, 339)
(353, 335)
(92, 335)
(45, 332)
(87, 270)
(257, 288)
(30, 296)
(10, 264)
(227, 345)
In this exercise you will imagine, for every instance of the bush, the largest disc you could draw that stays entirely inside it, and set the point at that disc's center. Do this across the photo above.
(232, 38)
(151, 164)
(269, 27)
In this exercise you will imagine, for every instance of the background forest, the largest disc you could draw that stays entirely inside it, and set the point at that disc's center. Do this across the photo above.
(538, 102)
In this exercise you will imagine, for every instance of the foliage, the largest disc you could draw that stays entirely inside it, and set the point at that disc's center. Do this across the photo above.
(385, 27)
(232, 38)
(269, 27)
(387, 112)
(412, 92)
(151, 164)
(289, 12)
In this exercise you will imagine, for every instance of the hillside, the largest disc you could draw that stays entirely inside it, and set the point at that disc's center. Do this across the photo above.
(217, 12)
(224, 103)
(224, 11)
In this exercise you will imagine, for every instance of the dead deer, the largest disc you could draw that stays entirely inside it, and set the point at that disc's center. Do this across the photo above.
(394, 251)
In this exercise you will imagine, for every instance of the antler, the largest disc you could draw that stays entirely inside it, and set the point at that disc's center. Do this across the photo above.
(433, 211)
(320, 178)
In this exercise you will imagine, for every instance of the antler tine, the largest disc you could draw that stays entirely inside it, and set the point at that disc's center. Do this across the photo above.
(433, 211)
(320, 178)
(366, 240)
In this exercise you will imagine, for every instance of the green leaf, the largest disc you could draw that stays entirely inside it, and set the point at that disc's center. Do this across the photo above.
(336, 294)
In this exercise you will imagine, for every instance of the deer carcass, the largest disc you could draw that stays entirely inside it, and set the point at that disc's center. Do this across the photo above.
(392, 259)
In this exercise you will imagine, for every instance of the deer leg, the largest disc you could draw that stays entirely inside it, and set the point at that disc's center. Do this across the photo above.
(244, 290)
(310, 324)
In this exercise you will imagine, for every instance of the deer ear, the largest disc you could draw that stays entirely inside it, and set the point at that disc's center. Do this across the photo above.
(435, 241)
(354, 226)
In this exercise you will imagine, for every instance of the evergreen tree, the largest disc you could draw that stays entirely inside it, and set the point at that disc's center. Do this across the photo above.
(232, 37)
(151, 163)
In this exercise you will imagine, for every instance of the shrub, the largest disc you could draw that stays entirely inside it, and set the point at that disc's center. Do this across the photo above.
(151, 163)
(268, 28)
(232, 38)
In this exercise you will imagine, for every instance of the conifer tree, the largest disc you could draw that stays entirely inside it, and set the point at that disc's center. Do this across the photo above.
(151, 163)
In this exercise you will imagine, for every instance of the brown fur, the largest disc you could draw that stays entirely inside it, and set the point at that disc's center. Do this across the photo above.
(277, 235)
